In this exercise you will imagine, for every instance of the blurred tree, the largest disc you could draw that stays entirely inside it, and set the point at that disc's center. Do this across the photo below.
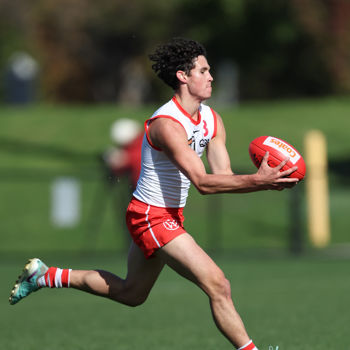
(274, 56)
(97, 51)
(13, 24)
(327, 22)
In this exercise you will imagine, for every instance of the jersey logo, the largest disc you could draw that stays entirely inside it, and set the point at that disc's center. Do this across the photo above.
(203, 143)
(171, 225)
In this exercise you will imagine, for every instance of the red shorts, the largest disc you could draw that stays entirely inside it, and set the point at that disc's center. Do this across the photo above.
(152, 227)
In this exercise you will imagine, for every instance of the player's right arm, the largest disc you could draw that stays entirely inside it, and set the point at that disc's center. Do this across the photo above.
(171, 138)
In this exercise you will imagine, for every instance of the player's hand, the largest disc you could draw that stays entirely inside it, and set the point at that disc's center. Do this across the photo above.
(274, 178)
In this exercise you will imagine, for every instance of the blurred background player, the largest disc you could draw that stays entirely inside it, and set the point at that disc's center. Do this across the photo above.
(121, 165)
(124, 158)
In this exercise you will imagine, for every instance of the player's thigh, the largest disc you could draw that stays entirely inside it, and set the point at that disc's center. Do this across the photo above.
(188, 259)
(142, 273)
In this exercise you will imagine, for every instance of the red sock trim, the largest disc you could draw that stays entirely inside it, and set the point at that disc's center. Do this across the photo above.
(64, 278)
(46, 278)
(250, 346)
(50, 277)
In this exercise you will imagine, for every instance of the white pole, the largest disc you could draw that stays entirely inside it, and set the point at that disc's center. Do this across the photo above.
(65, 202)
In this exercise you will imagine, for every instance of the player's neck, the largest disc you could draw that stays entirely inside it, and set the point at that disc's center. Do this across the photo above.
(189, 104)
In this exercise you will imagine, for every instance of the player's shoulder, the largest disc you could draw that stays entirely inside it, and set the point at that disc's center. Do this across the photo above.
(163, 132)
(208, 110)
(204, 108)
(165, 124)
(167, 108)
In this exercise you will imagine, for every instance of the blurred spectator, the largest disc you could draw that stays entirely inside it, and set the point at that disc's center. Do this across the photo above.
(21, 78)
(124, 158)
(121, 160)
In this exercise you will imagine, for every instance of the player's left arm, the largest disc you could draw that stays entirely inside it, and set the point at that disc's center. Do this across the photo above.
(217, 155)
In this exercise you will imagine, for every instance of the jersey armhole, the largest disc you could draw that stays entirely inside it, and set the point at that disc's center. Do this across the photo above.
(147, 123)
(215, 122)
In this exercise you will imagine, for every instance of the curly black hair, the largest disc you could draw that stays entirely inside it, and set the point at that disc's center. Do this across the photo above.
(177, 54)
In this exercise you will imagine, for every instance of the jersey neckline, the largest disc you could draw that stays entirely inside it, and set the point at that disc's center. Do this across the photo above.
(185, 113)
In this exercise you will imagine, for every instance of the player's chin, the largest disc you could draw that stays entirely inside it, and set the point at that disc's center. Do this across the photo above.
(207, 95)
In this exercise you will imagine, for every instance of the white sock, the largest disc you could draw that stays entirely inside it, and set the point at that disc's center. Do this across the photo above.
(249, 346)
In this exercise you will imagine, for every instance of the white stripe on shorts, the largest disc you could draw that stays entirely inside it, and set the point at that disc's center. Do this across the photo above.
(149, 226)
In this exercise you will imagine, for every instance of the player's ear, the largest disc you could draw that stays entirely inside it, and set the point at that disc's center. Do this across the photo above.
(181, 75)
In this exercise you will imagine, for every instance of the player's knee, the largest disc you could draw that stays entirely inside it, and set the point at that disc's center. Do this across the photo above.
(220, 287)
(132, 301)
(136, 300)
(131, 296)
(224, 288)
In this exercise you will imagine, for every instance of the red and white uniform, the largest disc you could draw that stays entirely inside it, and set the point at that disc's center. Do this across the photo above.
(161, 183)
(154, 216)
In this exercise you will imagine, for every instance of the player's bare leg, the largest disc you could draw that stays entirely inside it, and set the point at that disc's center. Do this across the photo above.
(132, 291)
(184, 256)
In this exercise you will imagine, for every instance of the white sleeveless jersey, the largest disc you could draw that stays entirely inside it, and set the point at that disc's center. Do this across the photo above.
(161, 183)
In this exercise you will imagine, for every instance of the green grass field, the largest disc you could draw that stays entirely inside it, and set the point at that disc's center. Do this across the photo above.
(40, 143)
(293, 303)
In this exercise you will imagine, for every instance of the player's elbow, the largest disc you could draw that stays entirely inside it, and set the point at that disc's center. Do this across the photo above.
(204, 188)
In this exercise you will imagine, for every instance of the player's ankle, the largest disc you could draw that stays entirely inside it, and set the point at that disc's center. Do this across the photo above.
(55, 278)
(248, 346)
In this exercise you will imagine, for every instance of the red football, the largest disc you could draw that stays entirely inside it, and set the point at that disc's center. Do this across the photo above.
(278, 151)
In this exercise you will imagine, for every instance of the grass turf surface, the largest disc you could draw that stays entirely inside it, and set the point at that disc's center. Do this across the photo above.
(39, 143)
(293, 303)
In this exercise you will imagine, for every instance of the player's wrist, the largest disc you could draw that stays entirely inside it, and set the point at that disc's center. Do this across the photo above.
(259, 182)
(256, 180)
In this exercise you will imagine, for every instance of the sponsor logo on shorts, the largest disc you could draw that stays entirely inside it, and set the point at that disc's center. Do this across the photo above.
(282, 147)
(171, 225)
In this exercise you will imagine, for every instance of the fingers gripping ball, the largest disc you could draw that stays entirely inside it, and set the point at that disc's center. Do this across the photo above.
(278, 151)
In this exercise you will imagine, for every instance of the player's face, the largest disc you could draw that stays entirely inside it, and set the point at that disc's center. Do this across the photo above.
(199, 79)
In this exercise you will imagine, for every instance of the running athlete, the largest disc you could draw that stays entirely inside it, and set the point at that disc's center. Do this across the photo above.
(175, 138)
